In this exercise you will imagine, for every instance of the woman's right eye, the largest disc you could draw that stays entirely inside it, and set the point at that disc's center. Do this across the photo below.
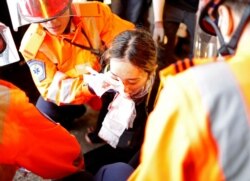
(115, 78)
(132, 82)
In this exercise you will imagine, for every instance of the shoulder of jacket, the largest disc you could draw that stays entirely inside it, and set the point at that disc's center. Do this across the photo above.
(182, 65)
(90, 8)
(32, 40)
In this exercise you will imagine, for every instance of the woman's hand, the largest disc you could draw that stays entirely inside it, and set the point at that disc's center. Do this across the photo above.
(101, 82)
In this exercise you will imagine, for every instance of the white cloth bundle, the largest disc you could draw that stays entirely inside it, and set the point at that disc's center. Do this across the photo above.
(121, 111)
(120, 116)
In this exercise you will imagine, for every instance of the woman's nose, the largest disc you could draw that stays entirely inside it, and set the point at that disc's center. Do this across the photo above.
(126, 87)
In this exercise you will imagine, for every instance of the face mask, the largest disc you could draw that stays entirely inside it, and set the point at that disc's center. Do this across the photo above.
(146, 88)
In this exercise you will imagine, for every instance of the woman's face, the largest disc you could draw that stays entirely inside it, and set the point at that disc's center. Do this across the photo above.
(133, 77)
(57, 25)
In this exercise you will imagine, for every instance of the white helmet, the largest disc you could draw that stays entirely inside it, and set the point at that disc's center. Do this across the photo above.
(8, 51)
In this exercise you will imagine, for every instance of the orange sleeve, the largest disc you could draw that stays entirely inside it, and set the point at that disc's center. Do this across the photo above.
(53, 66)
(32, 141)
(57, 86)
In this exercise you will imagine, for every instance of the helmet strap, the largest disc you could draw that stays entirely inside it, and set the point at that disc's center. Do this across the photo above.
(229, 48)
(224, 49)
(237, 34)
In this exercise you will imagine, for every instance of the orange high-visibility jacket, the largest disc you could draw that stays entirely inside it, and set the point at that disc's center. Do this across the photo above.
(30, 140)
(199, 129)
(182, 65)
(57, 63)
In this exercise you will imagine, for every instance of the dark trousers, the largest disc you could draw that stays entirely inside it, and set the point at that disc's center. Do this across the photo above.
(106, 154)
(111, 172)
(114, 172)
(172, 19)
(135, 11)
(64, 115)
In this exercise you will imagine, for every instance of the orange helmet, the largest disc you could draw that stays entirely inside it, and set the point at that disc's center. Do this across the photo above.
(42, 10)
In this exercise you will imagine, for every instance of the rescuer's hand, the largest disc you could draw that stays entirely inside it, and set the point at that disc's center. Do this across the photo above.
(158, 33)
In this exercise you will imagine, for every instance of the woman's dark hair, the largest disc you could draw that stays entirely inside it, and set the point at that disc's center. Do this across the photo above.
(135, 46)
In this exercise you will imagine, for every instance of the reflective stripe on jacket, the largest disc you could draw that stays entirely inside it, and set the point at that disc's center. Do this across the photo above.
(180, 66)
(30, 140)
(202, 123)
(57, 64)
